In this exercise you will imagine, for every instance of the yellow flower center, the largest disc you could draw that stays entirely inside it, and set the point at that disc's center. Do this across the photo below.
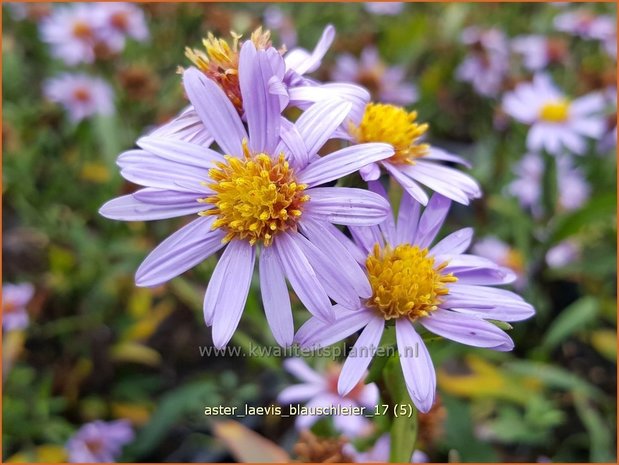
(393, 125)
(405, 282)
(555, 112)
(255, 197)
(220, 61)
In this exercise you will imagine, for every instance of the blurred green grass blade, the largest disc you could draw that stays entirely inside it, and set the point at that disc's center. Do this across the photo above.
(573, 318)
(601, 441)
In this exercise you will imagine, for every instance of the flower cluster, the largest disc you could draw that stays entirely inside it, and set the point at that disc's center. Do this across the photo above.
(80, 34)
(265, 186)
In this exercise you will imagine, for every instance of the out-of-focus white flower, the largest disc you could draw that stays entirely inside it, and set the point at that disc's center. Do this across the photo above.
(386, 84)
(487, 64)
(81, 95)
(557, 123)
(538, 51)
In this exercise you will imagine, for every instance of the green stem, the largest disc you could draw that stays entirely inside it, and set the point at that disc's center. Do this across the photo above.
(404, 425)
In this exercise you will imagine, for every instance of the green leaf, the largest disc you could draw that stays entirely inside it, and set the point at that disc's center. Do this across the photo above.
(599, 209)
(572, 319)
(599, 433)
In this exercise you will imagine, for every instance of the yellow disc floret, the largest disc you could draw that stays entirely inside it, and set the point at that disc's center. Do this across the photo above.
(405, 281)
(555, 112)
(255, 197)
(393, 125)
(220, 61)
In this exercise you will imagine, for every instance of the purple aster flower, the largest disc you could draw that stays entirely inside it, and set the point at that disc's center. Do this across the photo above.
(413, 163)
(81, 95)
(557, 123)
(220, 63)
(15, 298)
(122, 20)
(379, 453)
(384, 83)
(563, 254)
(440, 288)
(261, 190)
(319, 390)
(75, 33)
(487, 64)
(585, 24)
(99, 441)
(384, 8)
(527, 187)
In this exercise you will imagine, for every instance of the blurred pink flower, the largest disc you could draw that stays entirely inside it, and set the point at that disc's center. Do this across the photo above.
(487, 63)
(99, 441)
(15, 298)
(386, 84)
(81, 95)
(320, 390)
(384, 8)
(379, 453)
(557, 123)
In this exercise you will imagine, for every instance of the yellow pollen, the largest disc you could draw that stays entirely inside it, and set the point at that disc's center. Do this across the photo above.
(555, 112)
(220, 61)
(514, 261)
(255, 198)
(405, 281)
(392, 125)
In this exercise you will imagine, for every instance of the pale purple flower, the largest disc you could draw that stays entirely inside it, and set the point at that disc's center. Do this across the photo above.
(440, 287)
(379, 452)
(563, 254)
(487, 63)
(263, 191)
(385, 83)
(290, 83)
(75, 32)
(122, 20)
(557, 124)
(534, 51)
(15, 298)
(319, 390)
(99, 441)
(384, 8)
(81, 95)
(573, 188)
(585, 24)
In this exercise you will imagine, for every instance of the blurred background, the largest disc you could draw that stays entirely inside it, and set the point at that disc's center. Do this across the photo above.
(81, 343)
